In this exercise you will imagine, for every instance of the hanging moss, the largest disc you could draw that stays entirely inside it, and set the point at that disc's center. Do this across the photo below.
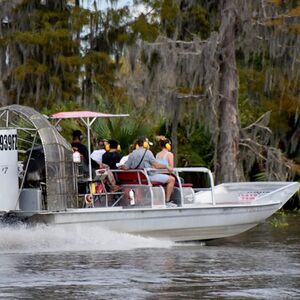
(96, 57)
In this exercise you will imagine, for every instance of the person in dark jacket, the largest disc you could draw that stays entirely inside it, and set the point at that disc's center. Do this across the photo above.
(112, 156)
(78, 146)
(82, 149)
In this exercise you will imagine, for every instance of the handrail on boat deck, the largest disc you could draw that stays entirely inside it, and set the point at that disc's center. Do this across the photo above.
(139, 172)
(176, 172)
(143, 178)
(199, 170)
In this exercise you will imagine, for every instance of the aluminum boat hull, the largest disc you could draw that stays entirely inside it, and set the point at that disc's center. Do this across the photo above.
(188, 223)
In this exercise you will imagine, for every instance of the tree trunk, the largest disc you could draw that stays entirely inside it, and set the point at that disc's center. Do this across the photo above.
(3, 90)
(175, 121)
(227, 151)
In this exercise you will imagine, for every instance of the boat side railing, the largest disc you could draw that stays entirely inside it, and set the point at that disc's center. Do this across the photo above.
(140, 177)
(199, 170)
(177, 171)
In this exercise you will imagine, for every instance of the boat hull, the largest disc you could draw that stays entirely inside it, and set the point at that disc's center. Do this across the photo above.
(228, 216)
(176, 224)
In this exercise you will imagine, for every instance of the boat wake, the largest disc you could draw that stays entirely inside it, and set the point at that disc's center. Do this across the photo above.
(41, 238)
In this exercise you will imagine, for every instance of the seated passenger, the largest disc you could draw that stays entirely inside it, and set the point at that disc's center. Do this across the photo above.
(78, 146)
(112, 156)
(98, 154)
(125, 157)
(109, 160)
(142, 157)
(165, 156)
(82, 149)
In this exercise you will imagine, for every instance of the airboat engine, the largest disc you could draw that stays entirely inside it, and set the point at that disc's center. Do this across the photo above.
(35, 165)
(34, 180)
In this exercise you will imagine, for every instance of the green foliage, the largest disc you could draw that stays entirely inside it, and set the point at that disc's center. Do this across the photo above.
(195, 149)
(66, 126)
(251, 86)
(97, 57)
(260, 177)
(47, 51)
(70, 61)
(124, 130)
(279, 220)
(79, 17)
(184, 19)
(144, 29)
(65, 106)
(31, 67)
(29, 37)
(190, 91)
(195, 20)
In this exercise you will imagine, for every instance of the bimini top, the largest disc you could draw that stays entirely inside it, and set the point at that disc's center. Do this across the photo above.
(84, 114)
(34, 129)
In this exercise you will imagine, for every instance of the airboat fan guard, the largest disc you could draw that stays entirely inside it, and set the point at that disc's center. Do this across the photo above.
(34, 129)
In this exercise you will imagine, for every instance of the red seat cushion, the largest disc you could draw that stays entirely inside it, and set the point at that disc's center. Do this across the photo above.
(184, 184)
(139, 177)
(131, 177)
(156, 183)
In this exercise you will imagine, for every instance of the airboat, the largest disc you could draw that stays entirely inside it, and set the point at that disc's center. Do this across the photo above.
(41, 184)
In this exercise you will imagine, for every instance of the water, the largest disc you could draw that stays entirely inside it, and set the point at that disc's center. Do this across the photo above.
(48, 263)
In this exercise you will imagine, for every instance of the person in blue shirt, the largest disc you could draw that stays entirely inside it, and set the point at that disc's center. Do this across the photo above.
(165, 156)
(142, 158)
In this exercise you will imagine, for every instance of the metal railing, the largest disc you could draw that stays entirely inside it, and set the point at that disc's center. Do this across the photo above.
(177, 171)
(142, 178)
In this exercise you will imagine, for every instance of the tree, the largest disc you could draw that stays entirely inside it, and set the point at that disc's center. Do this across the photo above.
(194, 62)
(53, 52)
(227, 154)
(206, 71)
(39, 56)
(268, 49)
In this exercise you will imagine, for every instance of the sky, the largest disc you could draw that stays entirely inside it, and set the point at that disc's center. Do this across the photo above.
(103, 4)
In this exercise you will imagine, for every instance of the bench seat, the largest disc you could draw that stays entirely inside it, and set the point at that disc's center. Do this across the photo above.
(139, 177)
(133, 177)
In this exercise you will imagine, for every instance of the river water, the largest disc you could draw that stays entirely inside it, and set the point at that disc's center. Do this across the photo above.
(50, 263)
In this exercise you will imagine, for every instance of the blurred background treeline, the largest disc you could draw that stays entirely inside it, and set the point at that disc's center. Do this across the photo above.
(220, 78)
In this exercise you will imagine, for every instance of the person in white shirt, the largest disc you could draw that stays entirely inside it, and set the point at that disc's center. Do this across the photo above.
(97, 154)
(125, 158)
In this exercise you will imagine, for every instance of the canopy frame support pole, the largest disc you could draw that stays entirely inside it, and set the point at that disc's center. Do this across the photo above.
(88, 123)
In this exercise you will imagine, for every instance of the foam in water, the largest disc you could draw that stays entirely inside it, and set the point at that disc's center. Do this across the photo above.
(22, 239)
